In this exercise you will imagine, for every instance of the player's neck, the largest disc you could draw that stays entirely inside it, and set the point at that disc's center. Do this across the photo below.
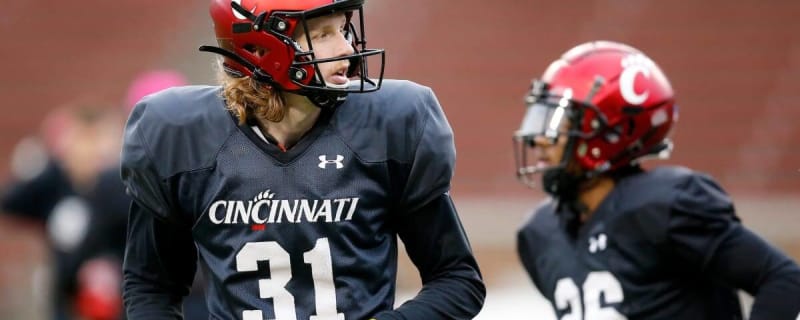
(300, 117)
(593, 194)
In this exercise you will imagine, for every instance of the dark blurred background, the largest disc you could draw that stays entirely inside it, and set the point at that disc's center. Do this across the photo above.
(735, 66)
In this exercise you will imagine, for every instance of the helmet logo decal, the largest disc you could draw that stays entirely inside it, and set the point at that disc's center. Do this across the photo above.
(634, 64)
(239, 15)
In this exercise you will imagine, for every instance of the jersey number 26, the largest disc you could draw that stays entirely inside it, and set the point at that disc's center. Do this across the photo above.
(567, 295)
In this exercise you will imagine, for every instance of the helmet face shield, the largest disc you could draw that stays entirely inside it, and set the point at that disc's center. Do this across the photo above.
(526, 159)
(545, 117)
(539, 142)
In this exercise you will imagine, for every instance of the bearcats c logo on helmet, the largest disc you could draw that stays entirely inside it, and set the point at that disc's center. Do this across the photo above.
(620, 110)
(239, 15)
(633, 65)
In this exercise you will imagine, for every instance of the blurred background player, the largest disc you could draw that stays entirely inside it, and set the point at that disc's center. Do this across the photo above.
(617, 241)
(56, 184)
(68, 178)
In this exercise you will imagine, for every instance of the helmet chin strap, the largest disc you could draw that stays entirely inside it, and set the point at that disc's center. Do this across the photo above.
(565, 188)
(325, 99)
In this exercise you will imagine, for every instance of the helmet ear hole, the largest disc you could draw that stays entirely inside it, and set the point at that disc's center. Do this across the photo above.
(256, 50)
(631, 126)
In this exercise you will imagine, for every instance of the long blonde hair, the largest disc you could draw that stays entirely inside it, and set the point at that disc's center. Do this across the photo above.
(249, 99)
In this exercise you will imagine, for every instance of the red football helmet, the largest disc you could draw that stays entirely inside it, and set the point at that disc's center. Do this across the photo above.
(244, 26)
(617, 104)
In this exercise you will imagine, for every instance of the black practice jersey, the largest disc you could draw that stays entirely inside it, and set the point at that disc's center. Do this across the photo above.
(664, 244)
(309, 233)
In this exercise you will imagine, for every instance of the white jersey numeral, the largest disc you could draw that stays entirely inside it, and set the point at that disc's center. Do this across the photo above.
(597, 283)
(280, 271)
(567, 295)
(325, 290)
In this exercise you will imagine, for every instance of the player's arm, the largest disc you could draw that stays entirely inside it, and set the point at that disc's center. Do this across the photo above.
(160, 262)
(705, 233)
(428, 225)
(160, 256)
(746, 261)
(27, 198)
(435, 241)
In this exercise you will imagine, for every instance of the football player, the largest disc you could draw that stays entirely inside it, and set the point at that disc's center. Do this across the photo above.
(82, 209)
(292, 180)
(616, 241)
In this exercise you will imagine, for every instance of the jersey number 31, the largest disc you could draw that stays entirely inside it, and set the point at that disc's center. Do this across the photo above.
(318, 257)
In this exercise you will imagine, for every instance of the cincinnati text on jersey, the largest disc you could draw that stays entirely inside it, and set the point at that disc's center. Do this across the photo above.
(265, 209)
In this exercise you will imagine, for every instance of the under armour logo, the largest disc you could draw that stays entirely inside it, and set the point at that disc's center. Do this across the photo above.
(323, 161)
(597, 243)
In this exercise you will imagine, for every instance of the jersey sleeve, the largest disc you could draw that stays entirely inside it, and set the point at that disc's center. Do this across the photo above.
(533, 243)
(744, 260)
(701, 214)
(160, 263)
(527, 252)
(139, 172)
(452, 286)
(706, 236)
(433, 159)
